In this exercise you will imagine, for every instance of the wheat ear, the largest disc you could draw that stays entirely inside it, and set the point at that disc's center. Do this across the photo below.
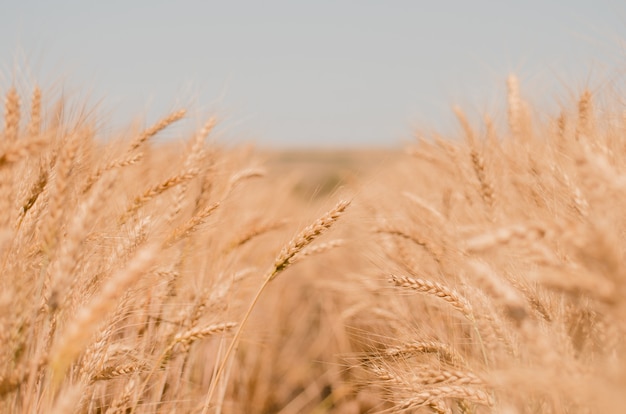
(486, 189)
(188, 337)
(584, 127)
(514, 105)
(438, 290)
(283, 260)
(155, 129)
(11, 115)
(152, 192)
(191, 225)
(444, 352)
(94, 177)
(34, 126)
(450, 296)
(433, 395)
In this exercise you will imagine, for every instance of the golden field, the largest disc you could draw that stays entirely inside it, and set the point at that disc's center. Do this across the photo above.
(482, 273)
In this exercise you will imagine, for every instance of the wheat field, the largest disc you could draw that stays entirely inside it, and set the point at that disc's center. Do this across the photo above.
(482, 273)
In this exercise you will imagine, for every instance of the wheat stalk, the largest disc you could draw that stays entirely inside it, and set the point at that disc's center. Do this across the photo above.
(283, 260)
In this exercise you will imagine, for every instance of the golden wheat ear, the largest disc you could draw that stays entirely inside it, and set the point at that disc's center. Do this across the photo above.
(11, 115)
(285, 258)
(155, 129)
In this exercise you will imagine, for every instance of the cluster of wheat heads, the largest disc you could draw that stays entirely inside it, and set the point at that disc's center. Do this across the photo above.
(131, 272)
(508, 267)
(126, 266)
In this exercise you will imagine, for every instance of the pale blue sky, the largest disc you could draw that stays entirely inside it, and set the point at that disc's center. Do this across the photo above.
(317, 73)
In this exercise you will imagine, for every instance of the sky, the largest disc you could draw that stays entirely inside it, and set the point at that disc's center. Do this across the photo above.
(296, 74)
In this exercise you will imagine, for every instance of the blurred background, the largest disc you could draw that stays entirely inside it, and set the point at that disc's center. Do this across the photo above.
(323, 74)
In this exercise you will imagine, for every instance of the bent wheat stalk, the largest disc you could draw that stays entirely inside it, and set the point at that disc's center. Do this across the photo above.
(286, 257)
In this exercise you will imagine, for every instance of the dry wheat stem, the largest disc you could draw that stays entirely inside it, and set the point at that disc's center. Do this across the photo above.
(303, 239)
